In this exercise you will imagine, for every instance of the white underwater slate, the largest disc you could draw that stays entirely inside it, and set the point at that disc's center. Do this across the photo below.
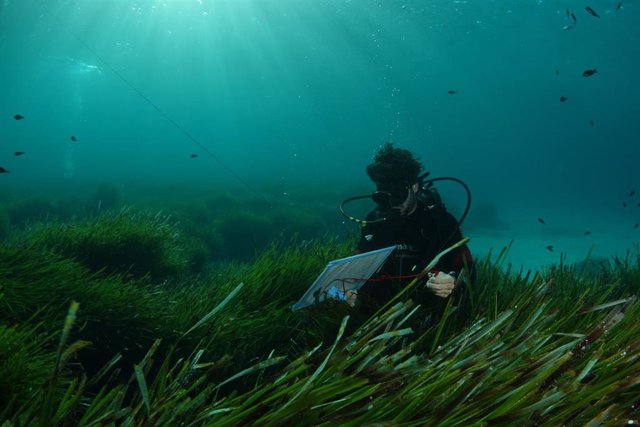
(343, 275)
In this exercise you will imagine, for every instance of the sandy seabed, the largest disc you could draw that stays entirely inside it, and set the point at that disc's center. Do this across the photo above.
(564, 230)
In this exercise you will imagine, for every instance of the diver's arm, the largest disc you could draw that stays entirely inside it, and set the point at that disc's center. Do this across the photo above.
(461, 257)
(452, 270)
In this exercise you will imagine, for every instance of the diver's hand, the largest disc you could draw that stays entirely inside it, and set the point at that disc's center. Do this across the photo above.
(351, 297)
(441, 284)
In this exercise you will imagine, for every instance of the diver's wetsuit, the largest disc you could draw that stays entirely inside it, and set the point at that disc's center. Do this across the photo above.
(419, 237)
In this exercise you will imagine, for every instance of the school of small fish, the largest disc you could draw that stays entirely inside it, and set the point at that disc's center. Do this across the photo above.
(589, 72)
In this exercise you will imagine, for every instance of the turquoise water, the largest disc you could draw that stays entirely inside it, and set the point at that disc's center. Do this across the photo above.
(290, 95)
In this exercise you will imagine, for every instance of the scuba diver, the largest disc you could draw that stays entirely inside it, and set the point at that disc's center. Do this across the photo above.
(410, 214)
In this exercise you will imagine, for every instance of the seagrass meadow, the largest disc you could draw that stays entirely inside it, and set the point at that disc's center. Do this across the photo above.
(84, 343)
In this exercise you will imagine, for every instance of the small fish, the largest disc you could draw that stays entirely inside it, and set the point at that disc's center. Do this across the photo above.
(568, 13)
(74, 139)
(632, 193)
(586, 233)
(591, 12)
(452, 92)
(3, 170)
(624, 204)
(193, 156)
(567, 27)
(541, 221)
(549, 248)
(636, 226)
(18, 117)
(619, 6)
(557, 72)
(18, 153)
(573, 18)
(591, 122)
(589, 73)
(563, 98)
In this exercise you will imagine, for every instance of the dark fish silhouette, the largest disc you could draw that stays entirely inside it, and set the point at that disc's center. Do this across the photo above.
(3, 170)
(589, 73)
(18, 153)
(18, 117)
(563, 98)
(619, 5)
(586, 233)
(541, 221)
(571, 16)
(549, 248)
(591, 12)
(193, 156)
(591, 122)
(74, 139)
(636, 226)
(632, 193)
(624, 204)
(452, 92)
(557, 72)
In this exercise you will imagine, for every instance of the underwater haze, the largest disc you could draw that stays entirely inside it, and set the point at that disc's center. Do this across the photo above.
(282, 97)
